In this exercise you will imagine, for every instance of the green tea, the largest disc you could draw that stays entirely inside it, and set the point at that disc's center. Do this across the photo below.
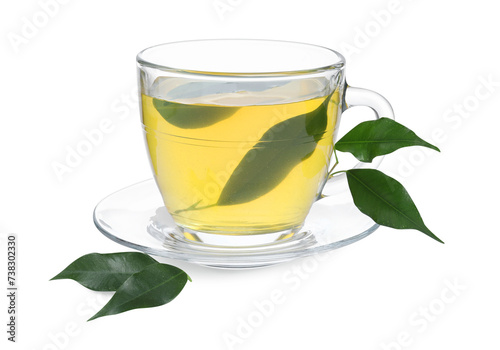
(240, 169)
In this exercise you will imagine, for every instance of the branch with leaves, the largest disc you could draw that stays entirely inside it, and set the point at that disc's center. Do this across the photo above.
(377, 195)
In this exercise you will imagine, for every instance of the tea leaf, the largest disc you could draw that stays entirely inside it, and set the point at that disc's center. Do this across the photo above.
(378, 137)
(156, 285)
(280, 149)
(385, 200)
(192, 116)
(105, 272)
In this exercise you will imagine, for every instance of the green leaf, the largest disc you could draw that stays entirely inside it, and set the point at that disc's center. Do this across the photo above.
(385, 200)
(156, 285)
(105, 272)
(280, 149)
(378, 137)
(192, 116)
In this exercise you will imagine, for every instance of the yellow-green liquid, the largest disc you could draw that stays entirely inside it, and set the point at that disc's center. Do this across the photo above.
(192, 165)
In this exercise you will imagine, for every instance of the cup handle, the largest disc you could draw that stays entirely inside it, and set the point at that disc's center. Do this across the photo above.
(353, 97)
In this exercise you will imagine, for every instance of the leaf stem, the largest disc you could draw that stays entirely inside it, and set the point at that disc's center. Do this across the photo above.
(330, 174)
(337, 172)
(336, 159)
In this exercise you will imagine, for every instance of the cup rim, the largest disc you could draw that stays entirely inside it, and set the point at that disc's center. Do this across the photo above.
(339, 64)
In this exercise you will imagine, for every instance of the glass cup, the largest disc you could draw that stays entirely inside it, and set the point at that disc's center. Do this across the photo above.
(240, 133)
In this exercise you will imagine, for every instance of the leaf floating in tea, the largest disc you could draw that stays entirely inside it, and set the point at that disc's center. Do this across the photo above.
(156, 285)
(378, 137)
(105, 272)
(280, 149)
(192, 116)
(385, 200)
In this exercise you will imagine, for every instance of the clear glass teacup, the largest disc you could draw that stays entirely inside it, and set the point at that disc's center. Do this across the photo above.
(240, 133)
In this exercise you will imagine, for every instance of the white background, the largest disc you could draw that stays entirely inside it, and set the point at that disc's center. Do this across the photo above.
(427, 57)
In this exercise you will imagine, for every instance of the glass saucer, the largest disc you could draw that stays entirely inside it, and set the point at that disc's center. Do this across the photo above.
(136, 217)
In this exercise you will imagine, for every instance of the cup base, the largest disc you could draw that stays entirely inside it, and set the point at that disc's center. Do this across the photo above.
(237, 240)
(159, 230)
